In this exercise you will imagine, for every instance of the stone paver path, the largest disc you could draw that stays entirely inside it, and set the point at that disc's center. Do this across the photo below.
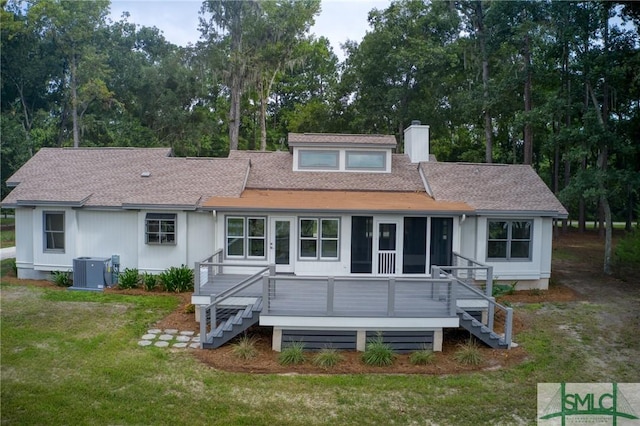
(170, 338)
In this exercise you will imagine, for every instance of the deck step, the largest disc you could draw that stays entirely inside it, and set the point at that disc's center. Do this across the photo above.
(238, 321)
(481, 331)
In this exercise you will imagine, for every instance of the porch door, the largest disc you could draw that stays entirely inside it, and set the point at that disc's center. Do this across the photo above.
(441, 241)
(386, 255)
(281, 242)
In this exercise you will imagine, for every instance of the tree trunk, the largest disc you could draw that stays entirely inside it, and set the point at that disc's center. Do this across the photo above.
(488, 125)
(74, 102)
(528, 131)
(234, 113)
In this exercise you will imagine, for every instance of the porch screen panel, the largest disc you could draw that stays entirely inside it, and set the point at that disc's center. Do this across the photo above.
(361, 244)
(414, 257)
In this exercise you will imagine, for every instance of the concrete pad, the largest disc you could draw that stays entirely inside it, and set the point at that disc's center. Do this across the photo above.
(194, 345)
(187, 333)
(179, 345)
(183, 338)
(154, 331)
(171, 331)
(144, 342)
(161, 344)
(149, 336)
(166, 337)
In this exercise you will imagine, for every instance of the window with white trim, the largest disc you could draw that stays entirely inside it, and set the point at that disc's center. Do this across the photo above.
(319, 238)
(53, 231)
(315, 159)
(366, 160)
(160, 228)
(509, 239)
(246, 237)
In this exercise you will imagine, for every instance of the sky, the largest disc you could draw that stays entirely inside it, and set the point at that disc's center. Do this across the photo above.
(339, 21)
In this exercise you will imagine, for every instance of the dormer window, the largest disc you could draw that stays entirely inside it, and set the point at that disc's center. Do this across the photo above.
(366, 160)
(312, 159)
(331, 152)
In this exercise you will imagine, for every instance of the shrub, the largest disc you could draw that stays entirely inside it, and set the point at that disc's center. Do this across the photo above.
(176, 279)
(61, 278)
(149, 281)
(504, 289)
(469, 353)
(626, 258)
(190, 308)
(245, 347)
(292, 355)
(129, 278)
(327, 357)
(422, 357)
(378, 353)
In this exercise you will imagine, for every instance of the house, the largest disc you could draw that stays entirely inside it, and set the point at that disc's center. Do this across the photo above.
(334, 241)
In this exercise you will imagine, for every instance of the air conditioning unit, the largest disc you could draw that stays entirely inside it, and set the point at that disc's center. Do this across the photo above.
(90, 273)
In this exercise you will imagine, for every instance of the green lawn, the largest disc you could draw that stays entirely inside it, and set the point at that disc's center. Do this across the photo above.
(7, 237)
(72, 358)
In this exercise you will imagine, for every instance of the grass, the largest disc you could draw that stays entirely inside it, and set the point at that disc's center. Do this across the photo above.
(292, 354)
(378, 353)
(327, 358)
(245, 347)
(7, 237)
(469, 353)
(78, 350)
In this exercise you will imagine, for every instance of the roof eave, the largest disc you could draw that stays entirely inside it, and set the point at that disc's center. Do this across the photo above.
(520, 213)
(136, 206)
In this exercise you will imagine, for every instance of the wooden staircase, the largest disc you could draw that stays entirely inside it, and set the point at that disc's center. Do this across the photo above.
(238, 320)
(481, 331)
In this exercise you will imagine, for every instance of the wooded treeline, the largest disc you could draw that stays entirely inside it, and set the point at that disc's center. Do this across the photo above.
(555, 84)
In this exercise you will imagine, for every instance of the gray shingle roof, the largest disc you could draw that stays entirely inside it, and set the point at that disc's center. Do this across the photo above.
(491, 187)
(296, 139)
(274, 170)
(112, 177)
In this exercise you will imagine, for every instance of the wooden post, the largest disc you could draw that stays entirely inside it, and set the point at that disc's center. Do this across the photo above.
(330, 295)
(452, 299)
(203, 326)
(266, 298)
(196, 279)
(492, 312)
(508, 327)
(391, 298)
(489, 285)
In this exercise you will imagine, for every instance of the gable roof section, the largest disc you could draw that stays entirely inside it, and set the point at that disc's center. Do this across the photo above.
(112, 177)
(274, 170)
(340, 139)
(492, 188)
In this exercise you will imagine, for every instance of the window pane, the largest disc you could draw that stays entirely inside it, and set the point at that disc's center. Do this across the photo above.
(153, 238)
(365, 160)
(256, 247)
(308, 248)
(520, 230)
(167, 226)
(235, 226)
(318, 159)
(497, 230)
(256, 227)
(153, 226)
(167, 239)
(235, 247)
(497, 249)
(329, 228)
(329, 248)
(54, 221)
(309, 228)
(520, 249)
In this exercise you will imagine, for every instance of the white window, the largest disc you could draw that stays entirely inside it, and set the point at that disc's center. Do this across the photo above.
(318, 159)
(160, 228)
(53, 231)
(366, 160)
(319, 238)
(246, 237)
(509, 239)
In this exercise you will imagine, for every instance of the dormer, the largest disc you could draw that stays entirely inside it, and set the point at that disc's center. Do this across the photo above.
(328, 152)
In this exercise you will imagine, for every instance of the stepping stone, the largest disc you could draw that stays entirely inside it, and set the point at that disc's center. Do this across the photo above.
(171, 331)
(144, 342)
(166, 337)
(161, 344)
(194, 345)
(179, 345)
(149, 336)
(154, 331)
(183, 338)
(187, 333)
(196, 339)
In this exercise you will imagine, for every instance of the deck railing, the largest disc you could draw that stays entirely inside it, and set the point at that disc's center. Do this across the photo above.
(499, 317)
(359, 296)
(206, 269)
(471, 272)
